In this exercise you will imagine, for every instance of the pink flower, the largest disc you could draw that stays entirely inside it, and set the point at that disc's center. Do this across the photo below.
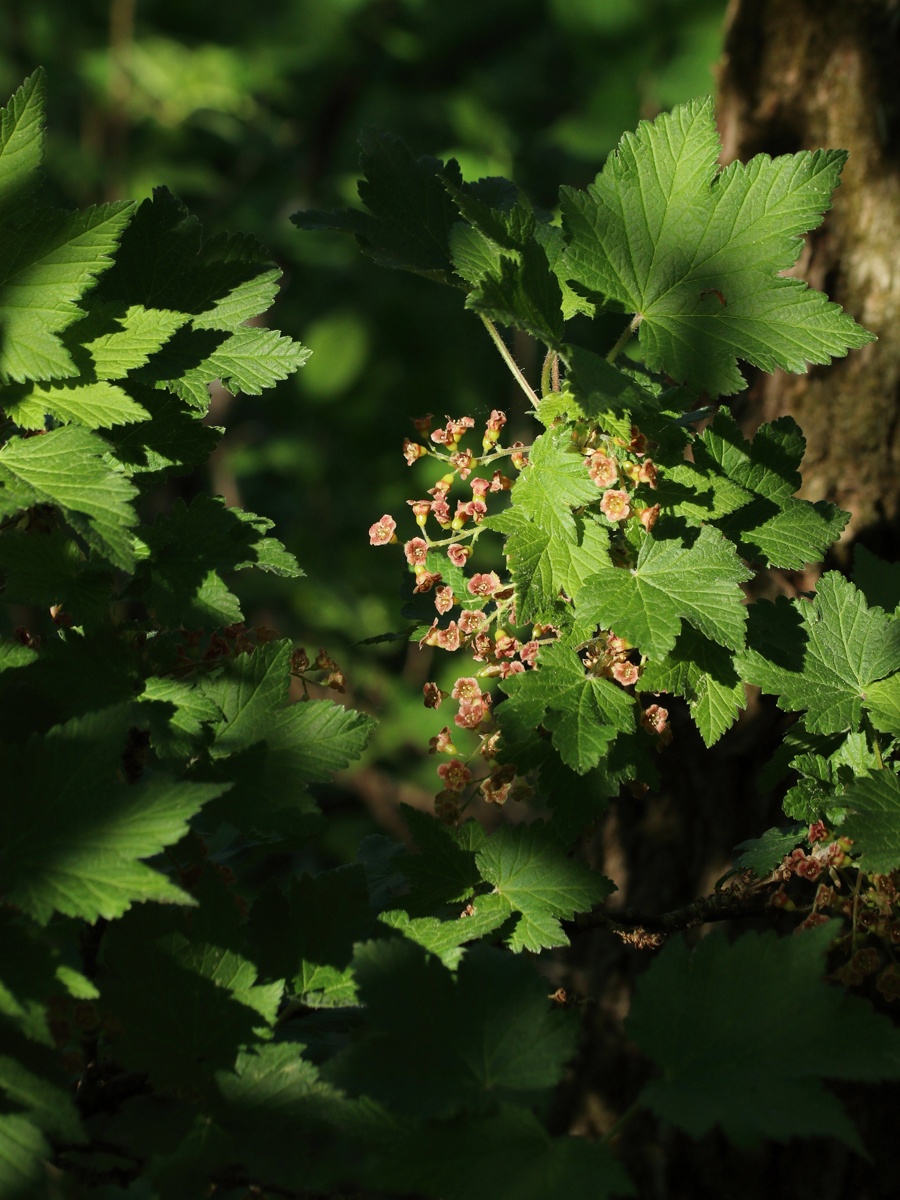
(505, 646)
(421, 508)
(441, 510)
(511, 668)
(615, 505)
(817, 832)
(416, 551)
(448, 639)
(442, 743)
(482, 647)
(422, 424)
(655, 719)
(463, 463)
(496, 421)
(484, 584)
(454, 774)
(647, 473)
(458, 554)
(470, 621)
(382, 531)
(602, 469)
(412, 451)
(466, 690)
(500, 482)
(648, 517)
(529, 653)
(433, 695)
(638, 443)
(625, 673)
(480, 487)
(470, 716)
(443, 599)
(495, 789)
(425, 580)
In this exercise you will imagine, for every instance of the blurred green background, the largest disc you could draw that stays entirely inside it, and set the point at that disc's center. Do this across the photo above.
(250, 113)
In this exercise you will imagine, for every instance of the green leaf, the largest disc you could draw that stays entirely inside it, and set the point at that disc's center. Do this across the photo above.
(97, 405)
(703, 673)
(46, 269)
(533, 874)
(821, 655)
(697, 253)
(95, 500)
(499, 1037)
(21, 143)
(270, 749)
(583, 713)
(554, 482)
(23, 1156)
(313, 955)
(444, 872)
(883, 704)
(212, 1001)
(446, 939)
(543, 566)
(763, 854)
(50, 568)
(670, 583)
(190, 548)
(873, 821)
(412, 213)
(74, 835)
(879, 581)
(120, 339)
(507, 1156)
(775, 527)
(743, 1011)
(248, 361)
(523, 293)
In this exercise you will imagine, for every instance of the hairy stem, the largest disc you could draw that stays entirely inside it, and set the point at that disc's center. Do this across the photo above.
(509, 360)
(627, 334)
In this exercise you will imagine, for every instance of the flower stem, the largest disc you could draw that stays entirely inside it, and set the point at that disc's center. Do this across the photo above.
(627, 334)
(509, 360)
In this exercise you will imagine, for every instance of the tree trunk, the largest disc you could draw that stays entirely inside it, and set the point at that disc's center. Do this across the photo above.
(799, 75)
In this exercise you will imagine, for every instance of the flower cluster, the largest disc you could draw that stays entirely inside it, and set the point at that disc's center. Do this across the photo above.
(617, 465)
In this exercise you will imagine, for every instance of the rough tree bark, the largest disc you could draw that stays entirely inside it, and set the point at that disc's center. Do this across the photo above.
(797, 75)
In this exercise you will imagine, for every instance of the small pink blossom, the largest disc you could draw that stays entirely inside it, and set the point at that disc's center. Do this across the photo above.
(625, 673)
(482, 647)
(458, 554)
(511, 668)
(529, 653)
(817, 832)
(443, 599)
(649, 516)
(443, 437)
(496, 421)
(433, 695)
(454, 774)
(505, 645)
(425, 580)
(412, 451)
(470, 621)
(422, 424)
(421, 508)
(615, 505)
(476, 509)
(655, 719)
(441, 511)
(442, 743)
(471, 715)
(463, 463)
(480, 487)
(495, 789)
(484, 584)
(448, 639)
(602, 469)
(647, 473)
(518, 456)
(500, 482)
(638, 443)
(382, 531)
(416, 551)
(466, 690)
